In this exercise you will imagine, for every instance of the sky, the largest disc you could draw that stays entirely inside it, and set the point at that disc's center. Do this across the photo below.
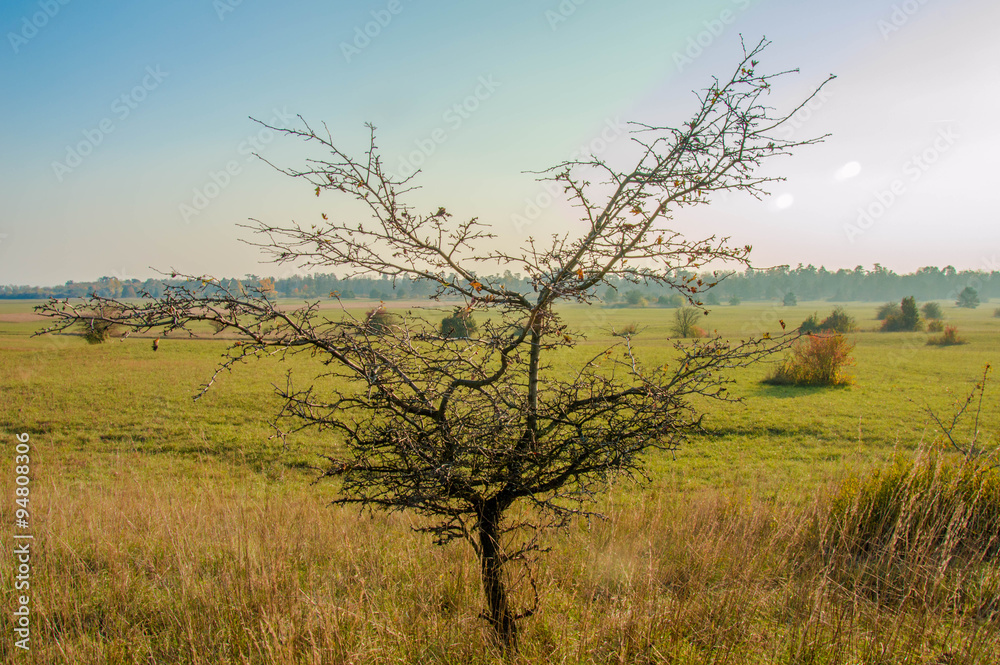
(127, 138)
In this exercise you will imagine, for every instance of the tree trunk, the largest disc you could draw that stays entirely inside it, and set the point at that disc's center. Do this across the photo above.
(499, 614)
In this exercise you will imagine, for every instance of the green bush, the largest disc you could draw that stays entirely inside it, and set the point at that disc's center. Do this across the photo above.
(790, 300)
(816, 360)
(736, 300)
(931, 310)
(906, 320)
(459, 324)
(887, 310)
(839, 321)
(96, 330)
(380, 321)
(811, 324)
(935, 325)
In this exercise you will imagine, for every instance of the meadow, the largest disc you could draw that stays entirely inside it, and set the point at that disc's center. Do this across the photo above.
(173, 531)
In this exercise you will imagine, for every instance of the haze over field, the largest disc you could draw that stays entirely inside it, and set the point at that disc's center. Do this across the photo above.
(127, 142)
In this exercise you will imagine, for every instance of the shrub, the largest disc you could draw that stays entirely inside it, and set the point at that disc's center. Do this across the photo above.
(627, 330)
(736, 300)
(949, 338)
(996, 312)
(935, 325)
(816, 360)
(790, 300)
(379, 321)
(459, 324)
(811, 324)
(711, 298)
(686, 323)
(887, 310)
(97, 331)
(906, 320)
(931, 310)
(674, 300)
(839, 321)
(968, 298)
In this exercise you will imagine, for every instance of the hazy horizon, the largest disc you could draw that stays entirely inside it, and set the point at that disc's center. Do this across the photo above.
(128, 142)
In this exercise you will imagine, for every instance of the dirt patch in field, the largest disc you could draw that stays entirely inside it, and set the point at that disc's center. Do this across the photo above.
(21, 317)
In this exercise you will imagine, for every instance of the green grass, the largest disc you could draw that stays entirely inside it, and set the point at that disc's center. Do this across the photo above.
(178, 531)
(121, 397)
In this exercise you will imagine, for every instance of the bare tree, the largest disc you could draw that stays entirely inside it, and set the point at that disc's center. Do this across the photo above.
(686, 322)
(483, 436)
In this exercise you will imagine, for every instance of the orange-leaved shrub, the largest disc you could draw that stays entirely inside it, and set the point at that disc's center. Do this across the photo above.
(815, 360)
(948, 338)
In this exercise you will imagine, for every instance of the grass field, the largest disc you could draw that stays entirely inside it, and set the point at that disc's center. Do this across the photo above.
(174, 531)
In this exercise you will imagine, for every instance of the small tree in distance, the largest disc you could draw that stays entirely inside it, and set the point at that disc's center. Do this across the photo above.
(467, 433)
(686, 322)
(790, 300)
(968, 298)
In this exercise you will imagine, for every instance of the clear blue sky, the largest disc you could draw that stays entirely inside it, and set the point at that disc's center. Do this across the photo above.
(118, 119)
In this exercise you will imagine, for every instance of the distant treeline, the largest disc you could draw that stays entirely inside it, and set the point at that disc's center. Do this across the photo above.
(805, 282)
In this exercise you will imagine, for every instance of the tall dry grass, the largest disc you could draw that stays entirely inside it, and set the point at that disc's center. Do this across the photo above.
(205, 568)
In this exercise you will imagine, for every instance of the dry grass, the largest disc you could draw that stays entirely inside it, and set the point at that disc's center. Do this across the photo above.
(205, 567)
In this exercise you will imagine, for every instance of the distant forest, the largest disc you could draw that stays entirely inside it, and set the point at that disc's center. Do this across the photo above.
(805, 282)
